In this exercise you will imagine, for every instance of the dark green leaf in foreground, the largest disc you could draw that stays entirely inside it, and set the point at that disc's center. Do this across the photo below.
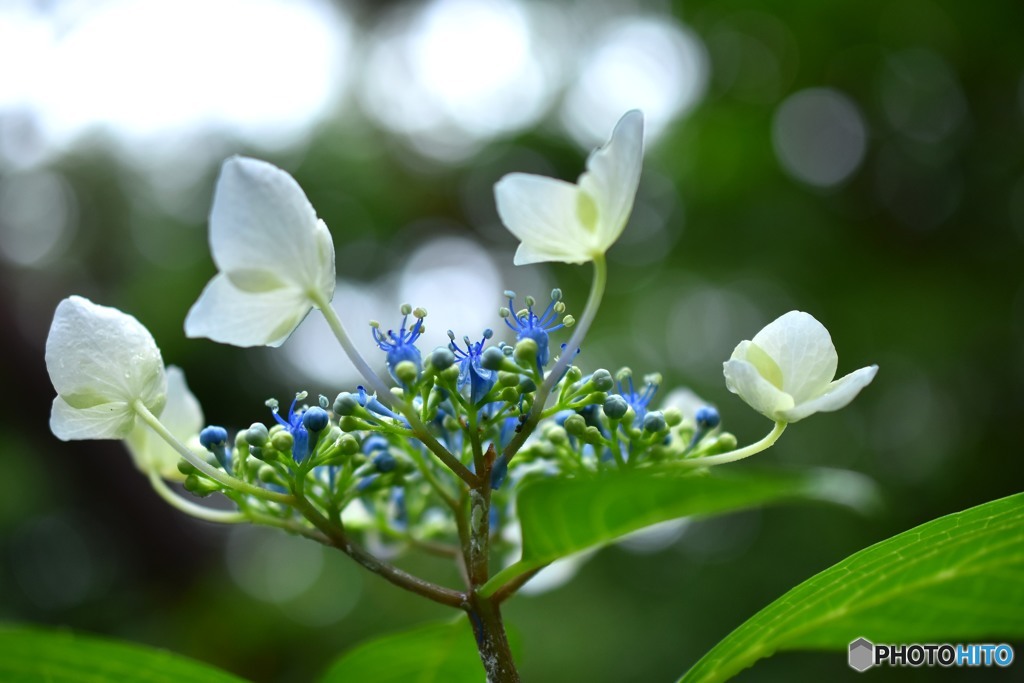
(435, 653)
(959, 577)
(29, 655)
(560, 517)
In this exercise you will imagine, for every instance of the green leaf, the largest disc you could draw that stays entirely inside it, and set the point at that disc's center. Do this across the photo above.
(560, 517)
(957, 577)
(442, 653)
(30, 655)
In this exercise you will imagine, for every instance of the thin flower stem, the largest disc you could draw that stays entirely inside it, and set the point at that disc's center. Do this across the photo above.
(189, 508)
(579, 332)
(738, 454)
(384, 393)
(203, 466)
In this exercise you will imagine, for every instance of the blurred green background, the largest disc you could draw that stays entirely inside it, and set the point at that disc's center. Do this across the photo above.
(863, 161)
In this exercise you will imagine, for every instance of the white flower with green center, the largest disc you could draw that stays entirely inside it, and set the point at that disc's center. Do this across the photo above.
(786, 371)
(183, 417)
(275, 257)
(558, 221)
(101, 361)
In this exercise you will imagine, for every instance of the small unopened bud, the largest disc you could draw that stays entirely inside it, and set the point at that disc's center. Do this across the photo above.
(257, 434)
(384, 462)
(673, 416)
(212, 437)
(592, 435)
(283, 441)
(615, 407)
(575, 425)
(654, 422)
(442, 358)
(315, 419)
(525, 352)
(573, 374)
(602, 380)
(508, 379)
(406, 372)
(492, 358)
(707, 418)
(348, 445)
(345, 404)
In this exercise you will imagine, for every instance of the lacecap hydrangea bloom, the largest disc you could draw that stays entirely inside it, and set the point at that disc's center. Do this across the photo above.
(786, 371)
(573, 223)
(101, 362)
(274, 256)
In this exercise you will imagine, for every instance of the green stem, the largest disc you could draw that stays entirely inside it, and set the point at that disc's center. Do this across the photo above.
(597, 286)
(738, 454)
(189, 508)
(212, 472)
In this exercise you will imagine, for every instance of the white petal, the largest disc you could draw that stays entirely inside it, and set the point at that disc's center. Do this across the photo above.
(743, 379)
(183, 417)
(113, 420)
(613, 175)
(804, 352)
(542, 213)
(837, 395)
(262, 220)
(226, 314)
(97, 355)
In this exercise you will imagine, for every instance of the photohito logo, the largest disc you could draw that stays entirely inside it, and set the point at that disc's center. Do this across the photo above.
(864, 654)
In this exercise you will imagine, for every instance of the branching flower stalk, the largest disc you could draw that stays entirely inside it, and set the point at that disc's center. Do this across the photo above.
(434, 458)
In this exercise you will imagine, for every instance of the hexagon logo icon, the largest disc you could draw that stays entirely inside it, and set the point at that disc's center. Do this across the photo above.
(862, 654)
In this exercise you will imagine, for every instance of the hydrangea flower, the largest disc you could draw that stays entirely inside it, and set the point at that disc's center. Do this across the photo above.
(558, 221)
(101, 361)
(528, 325)
(183, 417)
(401, 346)
(786, 371)
(471, 372)
(274, 256)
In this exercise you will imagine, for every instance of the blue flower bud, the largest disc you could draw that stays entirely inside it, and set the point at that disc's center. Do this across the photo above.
(315, 419)
(384, 462)
(615, 407)
(212, 437)
(707, 418)
(654, 422)
(374, 442)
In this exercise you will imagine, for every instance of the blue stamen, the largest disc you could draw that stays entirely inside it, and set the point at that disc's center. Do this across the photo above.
(401, 347)
(471, 372)
(528, 325)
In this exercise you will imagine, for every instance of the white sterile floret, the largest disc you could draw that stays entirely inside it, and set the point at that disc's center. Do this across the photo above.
(558, 221)
(275, 257)
(183, 417)
(101, 361)
(786, 371)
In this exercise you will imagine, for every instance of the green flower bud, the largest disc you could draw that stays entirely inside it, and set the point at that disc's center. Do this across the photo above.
(347, 423)
(557, 435)
(575, 425)
(526, 352)
(406, 372)
(492, 358)
(345, 404)
(602, 380)
(348, 445)
(592, 435)
(573, 374)
(673, 416)
(527, 386)
(282, 441)
(257, 434)
(508, 379)
(509, 394)
(186, 468)
(442, 358)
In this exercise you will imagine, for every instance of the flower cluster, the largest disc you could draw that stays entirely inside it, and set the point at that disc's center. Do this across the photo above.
(432, 457)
